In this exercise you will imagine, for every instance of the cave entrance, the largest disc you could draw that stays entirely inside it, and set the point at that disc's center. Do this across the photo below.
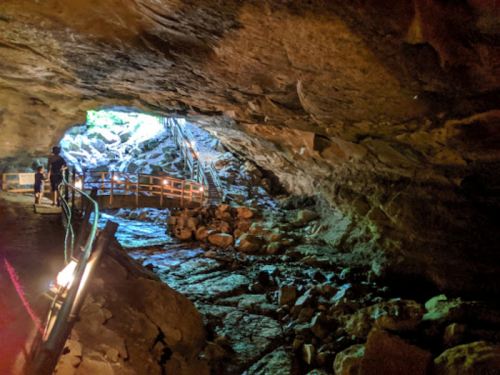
(127, 142)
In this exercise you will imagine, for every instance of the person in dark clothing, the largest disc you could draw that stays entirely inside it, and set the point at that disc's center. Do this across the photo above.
(55, 166)
(39, 179)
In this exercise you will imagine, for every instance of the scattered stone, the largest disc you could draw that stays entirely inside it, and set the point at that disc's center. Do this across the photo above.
(309, 354)
(348, 361)
(248, 243)
(278, 362)
(319, 326)
(211, 254)
(287, 294)
(454, 335)
(441, 309)
(273, 248)
(245, 213)
(183, 234)
(400, 315)
(221, 239)
(201, 234)
(214, 352)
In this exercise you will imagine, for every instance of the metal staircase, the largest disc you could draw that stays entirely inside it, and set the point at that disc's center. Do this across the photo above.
(201, 171)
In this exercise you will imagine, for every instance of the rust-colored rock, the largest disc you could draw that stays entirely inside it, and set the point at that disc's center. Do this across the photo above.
(389, 355)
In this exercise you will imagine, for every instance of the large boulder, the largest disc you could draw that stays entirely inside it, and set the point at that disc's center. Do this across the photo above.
(477, 358)
(183, 234)
(221, 240)
(201, 234)
(245, 213)
(401, 315)
(390, 355)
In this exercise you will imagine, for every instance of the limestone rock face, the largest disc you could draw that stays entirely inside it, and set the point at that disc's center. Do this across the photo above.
(387, 108)
(130, 321)
(475, 358)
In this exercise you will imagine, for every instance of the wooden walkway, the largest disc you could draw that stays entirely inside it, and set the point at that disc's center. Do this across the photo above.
(120, 190)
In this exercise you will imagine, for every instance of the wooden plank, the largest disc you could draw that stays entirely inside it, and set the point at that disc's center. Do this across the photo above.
(137, 189)
(112, 188)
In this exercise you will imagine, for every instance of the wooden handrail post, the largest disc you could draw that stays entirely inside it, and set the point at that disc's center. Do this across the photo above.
(151, 185)
(66, 190)
(182, 195)
(4, 182)
(127, 183)
(137, 189)
(102, 182)
(112, 188)
(161, 194)
(83, 189)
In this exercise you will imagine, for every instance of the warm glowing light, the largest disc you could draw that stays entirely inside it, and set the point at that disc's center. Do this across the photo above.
(115, 178)
(66, 276)
(165, 182)
(193, 144)
(202, 189)
(79, 184)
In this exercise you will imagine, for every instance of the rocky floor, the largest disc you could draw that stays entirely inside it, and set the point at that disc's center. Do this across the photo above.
(276, 300)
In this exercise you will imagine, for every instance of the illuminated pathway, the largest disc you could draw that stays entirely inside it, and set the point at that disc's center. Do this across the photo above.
(31, 254)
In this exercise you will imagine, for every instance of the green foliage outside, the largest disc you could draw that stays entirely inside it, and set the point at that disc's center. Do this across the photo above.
(107, 119)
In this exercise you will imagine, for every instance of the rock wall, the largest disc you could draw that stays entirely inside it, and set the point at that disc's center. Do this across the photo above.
(388, 108)
(131, 323)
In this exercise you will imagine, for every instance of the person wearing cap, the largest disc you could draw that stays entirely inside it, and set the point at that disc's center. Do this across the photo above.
(55, 167)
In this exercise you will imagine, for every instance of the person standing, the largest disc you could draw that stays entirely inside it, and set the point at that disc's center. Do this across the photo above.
(39, 179)
(55, 167)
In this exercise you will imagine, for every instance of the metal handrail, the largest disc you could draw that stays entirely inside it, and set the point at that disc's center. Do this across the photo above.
(188, 141)
(66, 301)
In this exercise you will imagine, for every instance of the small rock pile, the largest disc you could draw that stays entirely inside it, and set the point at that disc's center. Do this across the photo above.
(239, 229)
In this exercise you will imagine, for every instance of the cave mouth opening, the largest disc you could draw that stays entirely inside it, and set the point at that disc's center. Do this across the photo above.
(122, 141)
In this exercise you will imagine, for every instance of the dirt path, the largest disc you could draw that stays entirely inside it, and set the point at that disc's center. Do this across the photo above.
(31, 254)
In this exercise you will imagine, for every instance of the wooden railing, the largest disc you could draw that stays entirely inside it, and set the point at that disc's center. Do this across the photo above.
(10, 180)
(82, 254)
(117, 183)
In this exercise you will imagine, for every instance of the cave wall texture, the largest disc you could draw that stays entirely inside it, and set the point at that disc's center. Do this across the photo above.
(389, 108)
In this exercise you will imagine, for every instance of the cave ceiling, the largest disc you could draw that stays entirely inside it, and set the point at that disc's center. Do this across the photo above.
(346, 69)
(390, 108)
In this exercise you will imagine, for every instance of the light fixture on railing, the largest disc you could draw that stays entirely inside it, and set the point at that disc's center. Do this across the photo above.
(202, 189)
(115, 178)
(66, 276)
(79, 184)
(193, 144)
(165, 182)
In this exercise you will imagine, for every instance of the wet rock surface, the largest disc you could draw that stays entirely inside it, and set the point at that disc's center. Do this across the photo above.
(306, 308)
